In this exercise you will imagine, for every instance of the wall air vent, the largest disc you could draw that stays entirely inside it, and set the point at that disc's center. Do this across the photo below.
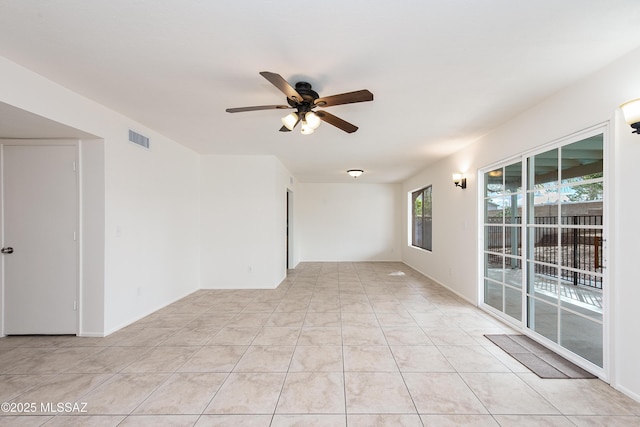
(136, 138)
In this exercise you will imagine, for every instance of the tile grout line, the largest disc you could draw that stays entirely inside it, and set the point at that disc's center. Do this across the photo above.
(284, 381)
(344, 372)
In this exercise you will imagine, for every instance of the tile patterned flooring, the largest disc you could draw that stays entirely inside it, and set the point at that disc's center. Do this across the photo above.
(336, 344)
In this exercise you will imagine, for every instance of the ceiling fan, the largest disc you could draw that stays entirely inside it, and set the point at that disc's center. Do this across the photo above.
(304, 99)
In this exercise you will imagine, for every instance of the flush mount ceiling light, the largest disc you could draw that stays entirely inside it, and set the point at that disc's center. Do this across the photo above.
(355, 172)
(631, 111)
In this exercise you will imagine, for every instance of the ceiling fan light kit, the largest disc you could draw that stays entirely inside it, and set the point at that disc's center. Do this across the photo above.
(312, 120)
(304, 99)
(306, 129)
(290, 120)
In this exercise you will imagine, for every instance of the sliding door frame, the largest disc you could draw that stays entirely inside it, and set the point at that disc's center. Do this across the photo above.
(521, 325)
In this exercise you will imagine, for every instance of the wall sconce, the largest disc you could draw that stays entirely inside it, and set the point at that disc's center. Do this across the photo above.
(631, 111)
(459, 181)
(355, 172)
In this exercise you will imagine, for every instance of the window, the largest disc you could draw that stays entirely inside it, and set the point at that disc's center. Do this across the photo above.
(422, 220)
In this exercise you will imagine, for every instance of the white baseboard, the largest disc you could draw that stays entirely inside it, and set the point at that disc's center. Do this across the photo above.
(145, 314)
(474, 303)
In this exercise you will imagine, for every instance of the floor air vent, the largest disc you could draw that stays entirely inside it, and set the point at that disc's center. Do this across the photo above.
(136, 138)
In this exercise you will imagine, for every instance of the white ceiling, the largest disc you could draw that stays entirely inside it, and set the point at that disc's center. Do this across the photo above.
(443, 73)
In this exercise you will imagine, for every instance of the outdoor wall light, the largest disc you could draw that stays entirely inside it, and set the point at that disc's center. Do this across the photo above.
(459, 181)
(631, 111)
(355, 172)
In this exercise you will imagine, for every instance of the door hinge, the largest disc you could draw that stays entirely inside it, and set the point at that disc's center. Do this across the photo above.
(75, 305)
(75, 236)
(75, 167)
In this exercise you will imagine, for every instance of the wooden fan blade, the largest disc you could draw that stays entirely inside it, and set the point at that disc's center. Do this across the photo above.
(284, 129)
(336, 121)
(345, 98)
(281, 83)
(257, 108)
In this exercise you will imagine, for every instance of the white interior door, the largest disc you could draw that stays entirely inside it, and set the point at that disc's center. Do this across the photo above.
(40, 210)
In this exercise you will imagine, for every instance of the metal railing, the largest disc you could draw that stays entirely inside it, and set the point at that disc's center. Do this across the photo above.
(574, 247)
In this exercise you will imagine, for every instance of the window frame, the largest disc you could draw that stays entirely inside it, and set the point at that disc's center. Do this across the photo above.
(426, 238)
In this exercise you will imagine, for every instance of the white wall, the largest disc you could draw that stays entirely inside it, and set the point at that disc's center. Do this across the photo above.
(452, 259)
(152, 197)
(348, 222)
(587, 103)
(243, 230)
(152, 227)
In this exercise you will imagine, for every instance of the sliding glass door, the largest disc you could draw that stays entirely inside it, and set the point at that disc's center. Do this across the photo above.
(503, 260)
(543, 244)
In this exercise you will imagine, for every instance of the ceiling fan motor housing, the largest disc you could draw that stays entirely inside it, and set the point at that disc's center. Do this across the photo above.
(308, 97)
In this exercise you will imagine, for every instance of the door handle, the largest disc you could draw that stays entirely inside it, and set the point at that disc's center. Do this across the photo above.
(7, 250)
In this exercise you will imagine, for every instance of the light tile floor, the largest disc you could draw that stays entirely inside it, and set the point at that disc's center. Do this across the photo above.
(337, 344)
